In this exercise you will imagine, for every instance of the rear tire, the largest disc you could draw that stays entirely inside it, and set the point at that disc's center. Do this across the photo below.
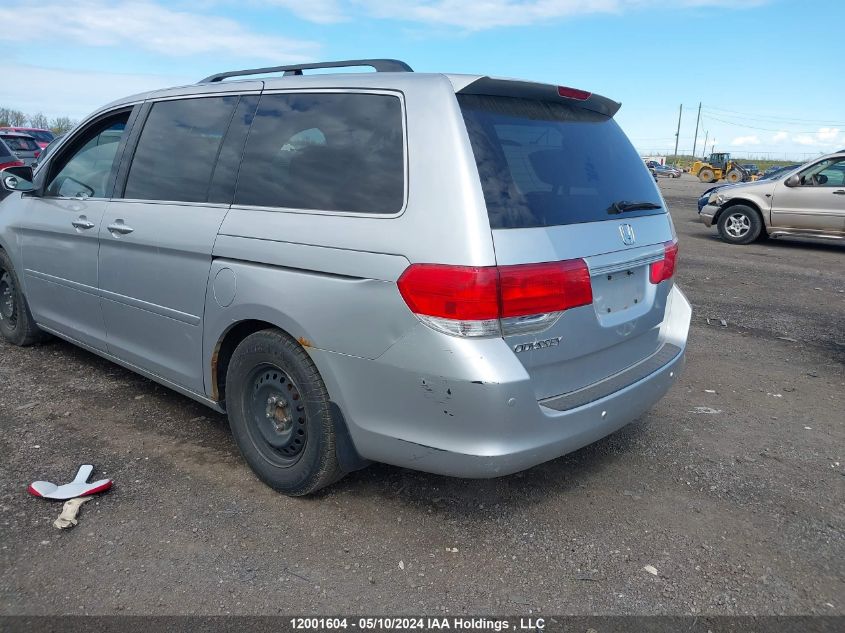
(740, 224)
(706, 176)
(279, 414)
(16, 323)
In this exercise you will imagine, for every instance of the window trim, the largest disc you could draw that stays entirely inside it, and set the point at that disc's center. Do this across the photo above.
(344, 214)
(70, 144)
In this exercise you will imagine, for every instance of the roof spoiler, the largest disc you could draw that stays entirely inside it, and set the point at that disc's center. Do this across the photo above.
(379, 65)
(542, 92)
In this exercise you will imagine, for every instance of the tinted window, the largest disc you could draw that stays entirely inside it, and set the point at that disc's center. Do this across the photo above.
(4, 151)
(827, 173)
(21, 143)
(84, 170)
(547, 164)
(41, 135)
(228, 165)
(332, 152)
(178, 148)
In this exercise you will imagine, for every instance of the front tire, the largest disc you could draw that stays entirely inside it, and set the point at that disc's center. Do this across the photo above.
(279, 414)
(740, 224)
(16, 323)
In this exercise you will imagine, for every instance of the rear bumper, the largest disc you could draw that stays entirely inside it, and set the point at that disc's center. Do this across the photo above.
(708, 213)
(467, 408)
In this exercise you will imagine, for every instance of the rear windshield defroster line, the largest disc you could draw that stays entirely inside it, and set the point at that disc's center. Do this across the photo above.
(548, 164)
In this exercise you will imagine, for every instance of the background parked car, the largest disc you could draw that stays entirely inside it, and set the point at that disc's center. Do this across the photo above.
(8, 157)
(751, 168)
(667, 170)
(42, 137)
(772, 173)
(809, 202)
(22, 145)
(777, 170)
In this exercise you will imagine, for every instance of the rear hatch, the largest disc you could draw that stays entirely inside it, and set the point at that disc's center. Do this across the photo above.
(562, 183)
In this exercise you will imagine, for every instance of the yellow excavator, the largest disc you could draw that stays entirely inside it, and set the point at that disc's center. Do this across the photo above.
(720, 166)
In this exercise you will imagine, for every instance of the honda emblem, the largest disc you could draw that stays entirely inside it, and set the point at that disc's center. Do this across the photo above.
(627, 233)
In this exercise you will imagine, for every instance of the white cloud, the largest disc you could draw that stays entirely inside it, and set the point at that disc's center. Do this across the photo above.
(484, 14)
(780, 137)
(804, 139)
(827, 133)
(743, 141)
(148, 26)
(824, 137)
(61, 92)
(319, 11)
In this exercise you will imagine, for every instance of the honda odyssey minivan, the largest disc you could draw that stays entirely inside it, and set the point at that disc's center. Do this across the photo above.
(458, 274)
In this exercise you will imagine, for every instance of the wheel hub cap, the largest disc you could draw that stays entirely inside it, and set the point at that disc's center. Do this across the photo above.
(737, 225)
(278, 412)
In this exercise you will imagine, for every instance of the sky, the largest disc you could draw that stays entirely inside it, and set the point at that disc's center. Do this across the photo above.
(768, 73)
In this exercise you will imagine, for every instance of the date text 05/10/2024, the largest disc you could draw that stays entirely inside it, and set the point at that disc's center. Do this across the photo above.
(419, 623)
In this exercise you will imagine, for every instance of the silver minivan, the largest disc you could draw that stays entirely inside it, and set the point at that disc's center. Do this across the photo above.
(458, 274)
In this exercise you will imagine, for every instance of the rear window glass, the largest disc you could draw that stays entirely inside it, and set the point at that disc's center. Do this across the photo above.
(21, 143)
(178, 149)
(548, 164)
(41, 135)
(329, 152)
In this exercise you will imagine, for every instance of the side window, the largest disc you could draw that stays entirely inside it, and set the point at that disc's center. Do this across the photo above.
(328, 152)
(84, 170)
(178, 148)
(827, 173)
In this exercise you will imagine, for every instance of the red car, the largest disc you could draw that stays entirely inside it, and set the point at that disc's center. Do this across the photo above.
(41, 136)
(7, 157)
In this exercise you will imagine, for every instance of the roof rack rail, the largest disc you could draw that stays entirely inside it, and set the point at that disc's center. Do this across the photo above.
(380, 66)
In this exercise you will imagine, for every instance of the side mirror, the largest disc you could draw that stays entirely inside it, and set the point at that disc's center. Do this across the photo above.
(793, 181)
(17, 179)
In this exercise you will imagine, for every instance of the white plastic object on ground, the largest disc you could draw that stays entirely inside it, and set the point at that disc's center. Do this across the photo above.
(77, 488)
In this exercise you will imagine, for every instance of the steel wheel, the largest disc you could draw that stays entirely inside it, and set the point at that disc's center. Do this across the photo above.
(16, 323)
(8, 302)
(278, 416)
(737, 225)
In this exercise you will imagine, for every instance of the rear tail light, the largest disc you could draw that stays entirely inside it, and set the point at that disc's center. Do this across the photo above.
(494, 300)
(665, 268)
(37, 153)
(14, 163)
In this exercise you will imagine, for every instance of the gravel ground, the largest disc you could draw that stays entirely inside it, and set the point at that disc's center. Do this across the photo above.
(732, 487)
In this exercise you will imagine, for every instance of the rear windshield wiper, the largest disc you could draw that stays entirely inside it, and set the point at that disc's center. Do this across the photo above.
(623, 205)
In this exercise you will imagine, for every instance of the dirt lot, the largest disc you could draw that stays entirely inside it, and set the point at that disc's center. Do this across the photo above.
(732, 487)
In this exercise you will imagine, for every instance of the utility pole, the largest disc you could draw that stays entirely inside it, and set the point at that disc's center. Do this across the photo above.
(678, 132)
(697, 120)
(706, 134)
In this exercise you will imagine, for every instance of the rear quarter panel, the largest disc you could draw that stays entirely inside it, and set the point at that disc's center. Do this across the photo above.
(329, 279)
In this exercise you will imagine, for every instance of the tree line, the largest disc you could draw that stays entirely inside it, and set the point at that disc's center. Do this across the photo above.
(15, 118)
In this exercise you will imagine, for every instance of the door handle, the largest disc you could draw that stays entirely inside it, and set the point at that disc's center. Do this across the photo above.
(839, 192)
(82, 223)
(119, 227)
